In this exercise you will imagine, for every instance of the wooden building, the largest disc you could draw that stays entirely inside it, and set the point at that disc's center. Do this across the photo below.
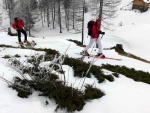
(140, 5)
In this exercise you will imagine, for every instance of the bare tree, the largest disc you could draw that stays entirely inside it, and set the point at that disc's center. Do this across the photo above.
(105, 9)
(109, 11)
(59, 15)
(73, 15)
(27, 9)
(48, 11)
(83, 23)
(68, 13)
(9, 6)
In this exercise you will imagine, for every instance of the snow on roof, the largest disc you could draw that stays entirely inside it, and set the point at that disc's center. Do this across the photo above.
(146, 1)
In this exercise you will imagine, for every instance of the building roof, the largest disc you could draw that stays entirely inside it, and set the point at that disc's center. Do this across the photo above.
(146, 1)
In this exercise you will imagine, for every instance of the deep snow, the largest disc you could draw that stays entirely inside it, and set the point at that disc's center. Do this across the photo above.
(122, 96)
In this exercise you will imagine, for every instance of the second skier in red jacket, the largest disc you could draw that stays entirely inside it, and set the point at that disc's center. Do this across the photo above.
(18, 25)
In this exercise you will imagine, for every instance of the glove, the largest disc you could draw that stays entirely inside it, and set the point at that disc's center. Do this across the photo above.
(103, 33)
(100, 32)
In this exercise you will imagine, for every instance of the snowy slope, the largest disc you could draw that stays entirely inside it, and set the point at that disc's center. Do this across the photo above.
(134, 32)
(122, 96)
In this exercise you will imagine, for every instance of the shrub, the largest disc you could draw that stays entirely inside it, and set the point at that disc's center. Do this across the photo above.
(17, 56)
(77, 42)
(6, 56)
(22, 87)
(115, 74)
(131, 73)
(80, 67)
(92, 93)
(109, 78)
(100, 78)
(41, 79)
(65, 97)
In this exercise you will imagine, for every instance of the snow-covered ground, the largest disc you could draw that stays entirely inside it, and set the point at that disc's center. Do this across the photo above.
(122, 96)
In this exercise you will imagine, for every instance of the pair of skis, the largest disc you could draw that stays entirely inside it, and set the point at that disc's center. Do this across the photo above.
(27, 45)
(94, 56)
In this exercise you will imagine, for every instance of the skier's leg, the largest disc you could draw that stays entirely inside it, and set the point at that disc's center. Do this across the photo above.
(100, 52)
(90, 44)
(19, 35)
(99, 45)
(25, 34)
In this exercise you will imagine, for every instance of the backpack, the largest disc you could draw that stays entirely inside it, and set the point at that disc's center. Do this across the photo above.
(89, 26)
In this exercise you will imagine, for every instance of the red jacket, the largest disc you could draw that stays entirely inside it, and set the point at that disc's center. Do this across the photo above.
(96, 28)
(19, 24)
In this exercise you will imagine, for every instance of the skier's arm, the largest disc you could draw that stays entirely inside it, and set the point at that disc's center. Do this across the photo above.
(14, 25)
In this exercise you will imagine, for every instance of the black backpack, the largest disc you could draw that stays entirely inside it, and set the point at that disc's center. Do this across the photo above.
(89, 26)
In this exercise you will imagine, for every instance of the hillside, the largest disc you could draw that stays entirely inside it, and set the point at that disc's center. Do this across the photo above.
(125, 94)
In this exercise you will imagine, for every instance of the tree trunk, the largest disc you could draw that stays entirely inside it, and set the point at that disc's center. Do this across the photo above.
(52, 10)
(73, 16)
(59, 17)
(83, 23)
(101, 9)
(42, 19)
(68, 19)
(48, 16)
(44, 14)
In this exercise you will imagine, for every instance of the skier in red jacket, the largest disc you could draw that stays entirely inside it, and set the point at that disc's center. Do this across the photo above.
(18, 25)
(95, 38)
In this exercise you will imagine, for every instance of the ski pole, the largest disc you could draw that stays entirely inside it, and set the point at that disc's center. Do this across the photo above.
(102, 36)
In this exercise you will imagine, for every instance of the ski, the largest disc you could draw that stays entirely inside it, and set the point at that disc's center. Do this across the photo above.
(22, 46)
(106, 57)
(27, 45)
(93, 56)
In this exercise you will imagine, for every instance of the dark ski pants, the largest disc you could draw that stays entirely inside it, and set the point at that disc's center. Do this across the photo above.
(19, 31)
